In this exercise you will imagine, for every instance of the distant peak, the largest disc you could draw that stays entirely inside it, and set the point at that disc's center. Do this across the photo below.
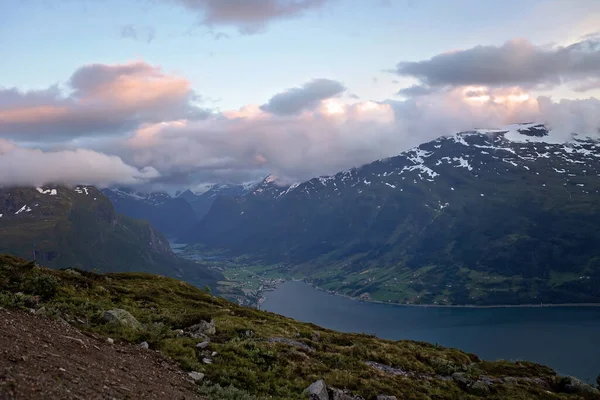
(270, 179)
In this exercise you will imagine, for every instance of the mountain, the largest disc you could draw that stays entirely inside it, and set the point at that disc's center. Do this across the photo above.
(80, 227)
(507, 216)
(201, 203)
(173, 216)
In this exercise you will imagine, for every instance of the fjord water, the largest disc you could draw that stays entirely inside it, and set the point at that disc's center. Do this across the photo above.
(564, 338)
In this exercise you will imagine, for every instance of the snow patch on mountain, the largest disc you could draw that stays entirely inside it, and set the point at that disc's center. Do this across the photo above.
(51, 192)
(23, 209)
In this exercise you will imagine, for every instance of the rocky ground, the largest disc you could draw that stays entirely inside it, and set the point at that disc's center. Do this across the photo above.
(42, 358)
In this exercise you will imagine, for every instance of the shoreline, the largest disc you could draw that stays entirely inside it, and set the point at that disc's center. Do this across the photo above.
(548, 305)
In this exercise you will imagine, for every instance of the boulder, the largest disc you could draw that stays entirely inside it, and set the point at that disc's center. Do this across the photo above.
(571, 384)
(196, 376)
(480, 388)
(202, 329)
(120, 317)
(461, 379)
(318, 391)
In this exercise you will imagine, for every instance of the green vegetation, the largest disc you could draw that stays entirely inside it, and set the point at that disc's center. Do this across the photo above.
(249, 366)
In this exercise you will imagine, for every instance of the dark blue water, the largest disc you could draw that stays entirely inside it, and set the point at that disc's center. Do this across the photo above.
(564, 338)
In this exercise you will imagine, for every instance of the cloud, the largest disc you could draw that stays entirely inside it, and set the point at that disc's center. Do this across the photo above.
(145, 34)
(153, 134)
(516, 63)
(306, 97)
(250, 143)
(416, 90)
(33, 167)
(102, 99)
(249, 17)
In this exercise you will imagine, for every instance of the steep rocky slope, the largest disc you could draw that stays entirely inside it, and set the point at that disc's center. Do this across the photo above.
(80, 227)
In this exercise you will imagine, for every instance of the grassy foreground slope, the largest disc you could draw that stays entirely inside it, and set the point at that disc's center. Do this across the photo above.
(265, 355)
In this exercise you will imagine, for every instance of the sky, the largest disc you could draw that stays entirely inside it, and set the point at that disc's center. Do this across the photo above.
(173, 94)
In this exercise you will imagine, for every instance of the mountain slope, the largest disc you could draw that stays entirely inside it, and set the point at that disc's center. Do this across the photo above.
(171, 216)
(237, 352)
(80, 227)
(505, 216)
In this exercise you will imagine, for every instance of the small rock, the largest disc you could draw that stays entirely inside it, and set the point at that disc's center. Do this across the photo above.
(249, 333)
(339, 394)
(316, 337)
(203, 345)
(62, 370)
(178, 332)
(32, 302)
(31, 311)
(72, 272)
(480, 388)
(384, 397)
(110, 341)
(144, 345)
(214, 353)
(41, 310)
(318, 391)
(196, 376)
(207, 360)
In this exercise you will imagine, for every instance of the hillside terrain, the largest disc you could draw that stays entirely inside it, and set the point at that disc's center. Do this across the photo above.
(80, 227)
(232, 352)
(507, 216)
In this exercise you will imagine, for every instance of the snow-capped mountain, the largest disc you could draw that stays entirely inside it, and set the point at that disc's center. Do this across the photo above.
(202, 202)
(517, 201)
(529, 147)
(171, 215)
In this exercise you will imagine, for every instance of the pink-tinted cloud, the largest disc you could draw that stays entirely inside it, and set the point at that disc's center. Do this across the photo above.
(102, 99)
(150, 123)
(243, 145)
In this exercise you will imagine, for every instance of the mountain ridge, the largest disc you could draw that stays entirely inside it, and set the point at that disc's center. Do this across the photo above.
(80, 227)
(516, 205)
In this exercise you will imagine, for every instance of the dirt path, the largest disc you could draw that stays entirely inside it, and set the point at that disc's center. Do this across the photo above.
(46, 359)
